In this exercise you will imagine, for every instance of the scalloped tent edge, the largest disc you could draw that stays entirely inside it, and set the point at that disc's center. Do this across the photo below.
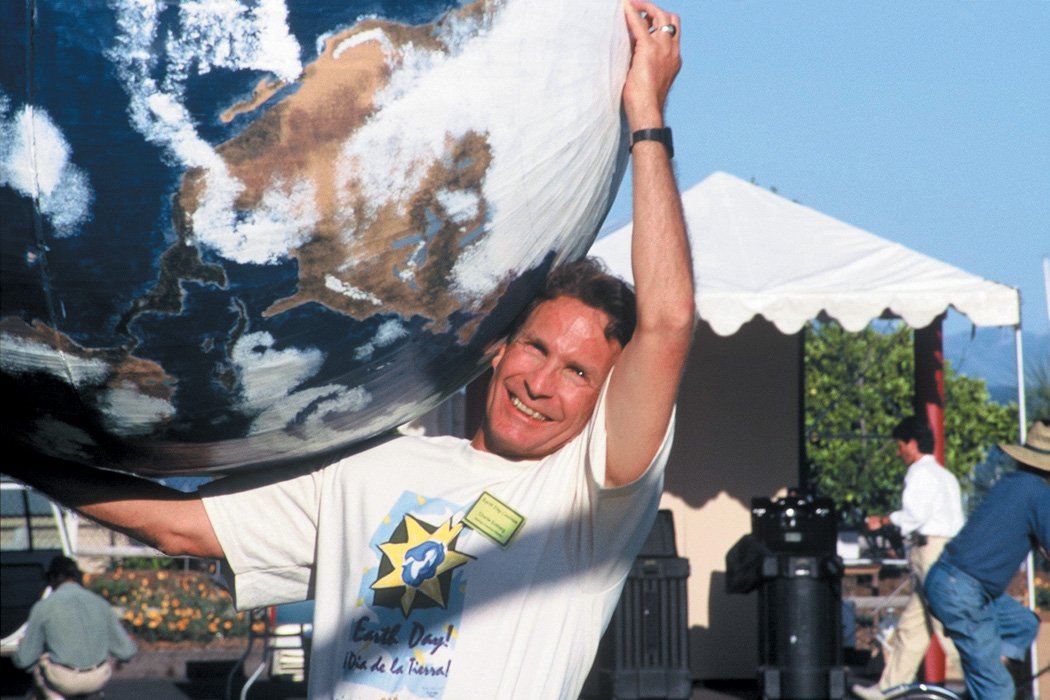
(758, 254)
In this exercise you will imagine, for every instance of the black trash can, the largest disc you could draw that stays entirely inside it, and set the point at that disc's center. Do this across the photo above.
(799, 599)
(644, 653)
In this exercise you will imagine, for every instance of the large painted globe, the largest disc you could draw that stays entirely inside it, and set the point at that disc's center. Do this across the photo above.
(247, 233)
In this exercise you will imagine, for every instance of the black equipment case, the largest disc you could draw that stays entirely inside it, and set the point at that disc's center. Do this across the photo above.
(644, 653)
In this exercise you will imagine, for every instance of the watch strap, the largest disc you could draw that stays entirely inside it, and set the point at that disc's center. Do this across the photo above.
(663, 135)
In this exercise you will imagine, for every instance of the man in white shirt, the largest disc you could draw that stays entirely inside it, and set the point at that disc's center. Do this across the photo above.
(930, 515)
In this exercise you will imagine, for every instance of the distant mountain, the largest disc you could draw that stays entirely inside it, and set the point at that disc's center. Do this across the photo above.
(990, 354)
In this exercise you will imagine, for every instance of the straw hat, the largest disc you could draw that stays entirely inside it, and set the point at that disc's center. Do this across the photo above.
(1036, 449)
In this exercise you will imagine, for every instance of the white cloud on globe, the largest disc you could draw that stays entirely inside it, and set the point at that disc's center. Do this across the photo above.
(387, 334)
(351, 292)
(233, 34)
(307, 412)
(268, 375)
(285, 219)
(35, 160)
(22, 356)
(358, 39)
(130, 412)
(459, 205)
(269, 379)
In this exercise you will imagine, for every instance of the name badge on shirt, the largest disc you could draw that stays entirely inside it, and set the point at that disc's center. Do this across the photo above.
(494, 519)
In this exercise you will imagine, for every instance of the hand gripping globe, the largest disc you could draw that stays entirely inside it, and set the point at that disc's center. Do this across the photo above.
(246, 233)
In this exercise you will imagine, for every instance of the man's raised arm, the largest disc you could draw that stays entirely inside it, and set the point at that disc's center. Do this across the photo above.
(172, 521)
(645, 382)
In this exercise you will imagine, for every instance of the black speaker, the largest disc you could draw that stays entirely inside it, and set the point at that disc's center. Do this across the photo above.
(799, 600)
(644, 653)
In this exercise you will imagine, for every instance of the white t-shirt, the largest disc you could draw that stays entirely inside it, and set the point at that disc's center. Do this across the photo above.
(931, 503)
(414, 602)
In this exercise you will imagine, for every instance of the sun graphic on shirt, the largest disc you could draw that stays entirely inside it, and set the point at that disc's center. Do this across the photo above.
(417, 565)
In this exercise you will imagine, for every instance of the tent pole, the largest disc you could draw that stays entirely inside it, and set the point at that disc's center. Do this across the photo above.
(1022, 417)
(1022, 431)
(928, 346)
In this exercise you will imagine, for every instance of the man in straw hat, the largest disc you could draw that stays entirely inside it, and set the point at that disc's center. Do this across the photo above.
(966, 587)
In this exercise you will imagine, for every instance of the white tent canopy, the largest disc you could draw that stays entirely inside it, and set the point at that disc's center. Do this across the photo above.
(756, 253)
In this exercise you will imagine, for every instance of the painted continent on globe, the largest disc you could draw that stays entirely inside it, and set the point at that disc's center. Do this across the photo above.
(243, 233)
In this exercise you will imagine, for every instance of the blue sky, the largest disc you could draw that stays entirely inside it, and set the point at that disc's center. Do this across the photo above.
(925, 122)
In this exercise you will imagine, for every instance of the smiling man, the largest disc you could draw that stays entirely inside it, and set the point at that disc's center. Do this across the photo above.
(488, 568)
(547, 377)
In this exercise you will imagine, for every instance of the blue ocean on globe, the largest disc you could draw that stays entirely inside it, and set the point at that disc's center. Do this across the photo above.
(247, 233)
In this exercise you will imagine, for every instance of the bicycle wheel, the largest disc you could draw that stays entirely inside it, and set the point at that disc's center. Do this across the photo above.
(921, 691)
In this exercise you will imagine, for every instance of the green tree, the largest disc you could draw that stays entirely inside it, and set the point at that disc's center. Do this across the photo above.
(1037, 388)
(858, 385)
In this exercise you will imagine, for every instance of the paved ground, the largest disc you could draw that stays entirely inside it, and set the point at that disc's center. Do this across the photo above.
(173, 674)
(202, 674)
(176, 676)
(153, 689)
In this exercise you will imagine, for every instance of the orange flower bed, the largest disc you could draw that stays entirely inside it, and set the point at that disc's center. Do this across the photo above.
(171, 606)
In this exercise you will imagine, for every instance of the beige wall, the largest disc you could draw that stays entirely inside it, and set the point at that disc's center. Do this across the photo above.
(737, 436)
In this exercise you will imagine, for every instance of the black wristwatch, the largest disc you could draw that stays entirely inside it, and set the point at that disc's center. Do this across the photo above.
(663, 135)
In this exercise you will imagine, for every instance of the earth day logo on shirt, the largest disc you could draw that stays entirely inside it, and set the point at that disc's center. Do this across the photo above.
(418, 561)
(403, 631)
